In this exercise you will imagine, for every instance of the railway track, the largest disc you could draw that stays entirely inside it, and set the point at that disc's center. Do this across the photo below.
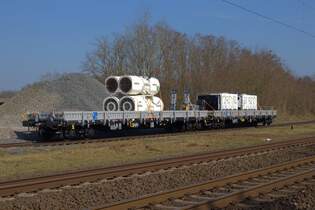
(13, 187)
(228, 190)
(132, 137)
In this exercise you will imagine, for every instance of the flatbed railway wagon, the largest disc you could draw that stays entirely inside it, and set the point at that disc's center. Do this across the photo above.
(85, 123)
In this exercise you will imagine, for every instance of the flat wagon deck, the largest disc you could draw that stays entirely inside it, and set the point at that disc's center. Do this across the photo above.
(85, 122)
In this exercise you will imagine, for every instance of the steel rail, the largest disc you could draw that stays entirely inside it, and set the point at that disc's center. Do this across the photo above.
(9, 188)
(198, 191)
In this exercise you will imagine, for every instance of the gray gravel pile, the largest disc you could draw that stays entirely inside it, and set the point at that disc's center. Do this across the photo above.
(108, 191)
(70, 92)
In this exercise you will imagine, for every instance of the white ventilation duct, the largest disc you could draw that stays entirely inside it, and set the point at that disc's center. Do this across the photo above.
(141, 103)
(128, 103)
(134, 85)
(154, 86)
(111, 84)
(157, 104)
(111, 104)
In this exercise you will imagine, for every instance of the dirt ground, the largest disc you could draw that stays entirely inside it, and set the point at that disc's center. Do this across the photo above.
(38, 161)
(107, 191)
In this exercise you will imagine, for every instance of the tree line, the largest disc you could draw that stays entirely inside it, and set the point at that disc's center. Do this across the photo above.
(201, 64)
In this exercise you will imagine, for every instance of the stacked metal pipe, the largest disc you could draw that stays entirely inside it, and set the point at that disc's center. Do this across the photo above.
(132, 93)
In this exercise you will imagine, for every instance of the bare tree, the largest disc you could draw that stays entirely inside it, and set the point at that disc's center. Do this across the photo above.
(201, 63)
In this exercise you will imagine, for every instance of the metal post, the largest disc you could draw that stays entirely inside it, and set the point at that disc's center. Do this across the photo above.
(186, 97)
(173, 100)
(186, 100)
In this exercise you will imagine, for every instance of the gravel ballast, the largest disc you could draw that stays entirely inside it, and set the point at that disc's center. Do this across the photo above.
(301, 199)
(108, 191)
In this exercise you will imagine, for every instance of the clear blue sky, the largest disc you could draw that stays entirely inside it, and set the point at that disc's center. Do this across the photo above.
(40, 36)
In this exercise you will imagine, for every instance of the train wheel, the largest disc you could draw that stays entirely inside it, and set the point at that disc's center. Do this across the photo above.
(45, 134)
(90, 133)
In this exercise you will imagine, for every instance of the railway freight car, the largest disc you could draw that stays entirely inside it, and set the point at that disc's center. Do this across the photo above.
(83, 123)
(144, 110)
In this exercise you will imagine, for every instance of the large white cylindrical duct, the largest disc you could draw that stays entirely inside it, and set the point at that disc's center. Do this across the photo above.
(141, 103)
(128, 103)
(154, 86)
(112, 84)
(111, 104)
(134, 85)
(157, 104)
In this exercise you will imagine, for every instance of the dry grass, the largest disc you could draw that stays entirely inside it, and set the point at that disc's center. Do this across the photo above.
(25, 162)
(284, 118)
